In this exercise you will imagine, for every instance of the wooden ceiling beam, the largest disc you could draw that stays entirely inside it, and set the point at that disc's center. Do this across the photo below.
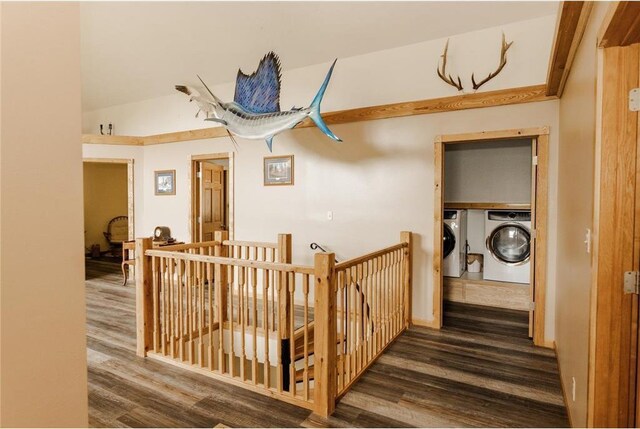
(572, 21)
(503, 97)
(621, 25)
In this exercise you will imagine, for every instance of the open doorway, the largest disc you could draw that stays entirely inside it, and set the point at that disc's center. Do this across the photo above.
(490, 229)
(108, 207)
(211, 196)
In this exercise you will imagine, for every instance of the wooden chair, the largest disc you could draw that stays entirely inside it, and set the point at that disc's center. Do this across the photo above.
(117, 232)
(128, 248)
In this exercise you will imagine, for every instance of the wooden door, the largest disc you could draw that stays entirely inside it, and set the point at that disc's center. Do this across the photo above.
(613, 357)
(212, 204)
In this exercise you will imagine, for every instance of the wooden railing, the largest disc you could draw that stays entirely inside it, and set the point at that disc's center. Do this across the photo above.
(241, 312)
(373, 307)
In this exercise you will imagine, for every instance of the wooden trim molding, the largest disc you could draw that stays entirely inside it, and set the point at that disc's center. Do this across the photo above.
(112, 140)
(570, 26)
(487, 206)
(492, 136)
(503, 97)
(540, 138)
(621, 25)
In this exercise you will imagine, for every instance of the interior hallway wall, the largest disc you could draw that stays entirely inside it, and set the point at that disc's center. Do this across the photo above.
(575, 204)
(43, 369)
(378, 182)
(105, 197)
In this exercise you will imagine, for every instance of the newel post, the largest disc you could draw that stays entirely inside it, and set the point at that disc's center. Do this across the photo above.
(284, 257)
(144, 297)
(405, 237)
(284, 312)
(325, 350)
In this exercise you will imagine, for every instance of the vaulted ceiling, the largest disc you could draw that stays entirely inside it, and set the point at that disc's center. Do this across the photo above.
(133, 51)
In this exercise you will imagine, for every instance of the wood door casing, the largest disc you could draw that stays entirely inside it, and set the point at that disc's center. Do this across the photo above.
(613, 362)
(212, 204)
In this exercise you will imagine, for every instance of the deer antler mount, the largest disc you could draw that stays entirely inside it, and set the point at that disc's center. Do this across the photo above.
(456, 83)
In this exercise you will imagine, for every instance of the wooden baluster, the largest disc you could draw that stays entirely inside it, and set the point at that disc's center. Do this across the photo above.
(180, 310)
(156, 304)
(305, 292)
(163, 291)
(406, 237)
(357, 316)
(360, 320)
(190, 349)
(266, 366)
(343, 327)
(374, 306)
(366, 313)
(398, 290)
(202, 313)
(210, 304)
(222, 278)
(351, 336)
(243, 321)
(292, 328)
(387, 292)
(272, 274)
(172, 344)
(254, 323)
(232, 291)
(279, 288)
(381, 301)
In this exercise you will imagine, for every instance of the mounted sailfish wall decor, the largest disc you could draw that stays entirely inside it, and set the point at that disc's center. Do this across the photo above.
(255, 111)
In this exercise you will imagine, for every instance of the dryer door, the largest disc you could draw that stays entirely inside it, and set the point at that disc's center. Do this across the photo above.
(448, 240)
(509, 243)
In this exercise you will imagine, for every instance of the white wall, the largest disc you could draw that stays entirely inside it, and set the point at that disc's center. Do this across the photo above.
(43, 368)
(377, 183)
(488, 172)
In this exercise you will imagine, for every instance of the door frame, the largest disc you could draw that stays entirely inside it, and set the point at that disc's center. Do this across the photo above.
(130, 187)
(193, 191)
(538, 208)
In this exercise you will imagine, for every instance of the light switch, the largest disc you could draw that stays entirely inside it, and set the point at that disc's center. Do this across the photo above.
(587, 240)
(329, 215)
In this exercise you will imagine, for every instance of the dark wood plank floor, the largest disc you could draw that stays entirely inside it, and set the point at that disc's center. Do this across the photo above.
(480, 370)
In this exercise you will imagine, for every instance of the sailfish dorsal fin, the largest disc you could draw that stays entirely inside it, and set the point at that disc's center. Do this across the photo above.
(259, 92)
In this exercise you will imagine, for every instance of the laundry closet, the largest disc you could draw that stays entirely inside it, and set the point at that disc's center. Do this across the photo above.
(487, 218)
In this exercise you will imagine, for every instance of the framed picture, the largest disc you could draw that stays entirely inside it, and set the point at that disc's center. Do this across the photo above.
(278, 170)
(165, 182)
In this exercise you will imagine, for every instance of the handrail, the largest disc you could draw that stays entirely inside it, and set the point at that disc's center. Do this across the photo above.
(186, 246)
(355, 261)
(222, 260)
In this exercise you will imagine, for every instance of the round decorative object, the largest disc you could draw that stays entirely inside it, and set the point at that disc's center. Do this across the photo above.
(161, 233)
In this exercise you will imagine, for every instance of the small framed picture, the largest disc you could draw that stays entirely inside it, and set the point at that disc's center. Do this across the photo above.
(278, 170)
(165, 181)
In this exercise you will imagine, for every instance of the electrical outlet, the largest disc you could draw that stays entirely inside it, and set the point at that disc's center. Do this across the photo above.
(573, 389)
(329, 215)
(587, 240)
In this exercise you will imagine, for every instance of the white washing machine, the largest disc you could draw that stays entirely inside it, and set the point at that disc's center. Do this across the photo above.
(508, 246)
(454, 243)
